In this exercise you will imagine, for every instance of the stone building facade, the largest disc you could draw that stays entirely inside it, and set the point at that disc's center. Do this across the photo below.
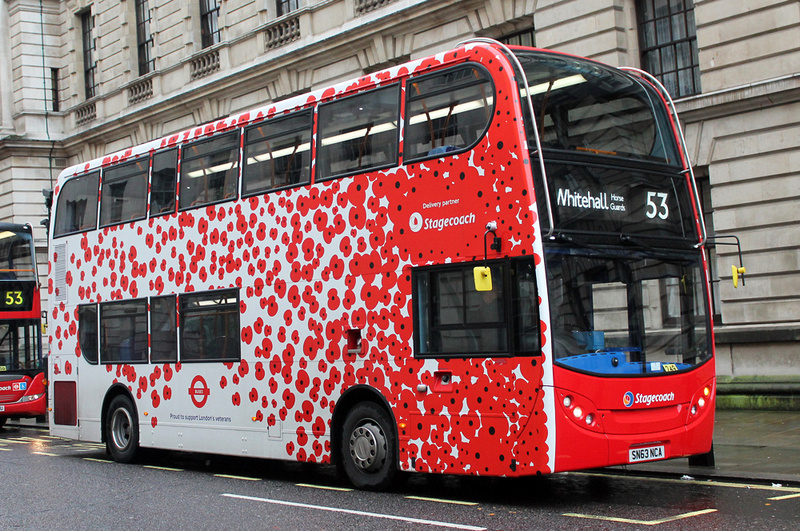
(80, 78)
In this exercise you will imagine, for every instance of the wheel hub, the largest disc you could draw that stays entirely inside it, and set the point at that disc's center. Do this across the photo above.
(121, 428)
(368, 446)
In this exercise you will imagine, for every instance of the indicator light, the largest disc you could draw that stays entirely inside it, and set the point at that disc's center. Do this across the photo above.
(567, 401)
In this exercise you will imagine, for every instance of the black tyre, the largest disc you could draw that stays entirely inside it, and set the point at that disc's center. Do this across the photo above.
(706, 459)
(2, 421)
(122, 430)
(368, 452)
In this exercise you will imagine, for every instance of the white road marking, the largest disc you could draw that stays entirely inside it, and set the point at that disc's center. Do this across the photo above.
(440, 500)
(641, 522)
(323, 487)
(448, 525)
(243, 478)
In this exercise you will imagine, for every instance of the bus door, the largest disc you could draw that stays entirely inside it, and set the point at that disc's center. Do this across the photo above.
(480, 384)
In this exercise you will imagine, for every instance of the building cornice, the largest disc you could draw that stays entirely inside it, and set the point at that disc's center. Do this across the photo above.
(744, 98)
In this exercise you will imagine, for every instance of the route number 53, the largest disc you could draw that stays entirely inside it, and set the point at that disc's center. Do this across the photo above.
(657, 205)
(13, 298)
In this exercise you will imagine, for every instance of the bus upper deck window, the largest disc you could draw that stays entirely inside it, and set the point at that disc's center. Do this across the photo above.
(447, 111)
(124, 192)
(165, 177)
(209, 170)
(359, 132)
(277, 154)
(76, 210)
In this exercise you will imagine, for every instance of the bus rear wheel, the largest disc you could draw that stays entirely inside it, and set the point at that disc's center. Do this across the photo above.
(122, 430)
(368, 454)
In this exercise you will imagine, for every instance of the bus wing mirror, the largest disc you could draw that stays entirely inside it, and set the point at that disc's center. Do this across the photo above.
(483, 278)
(736, 272)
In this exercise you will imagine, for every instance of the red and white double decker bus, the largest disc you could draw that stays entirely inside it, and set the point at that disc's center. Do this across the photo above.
(489, 261)
(23, 391)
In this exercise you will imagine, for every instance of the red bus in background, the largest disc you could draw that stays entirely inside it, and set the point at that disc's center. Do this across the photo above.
(23, 384)
(488, 261)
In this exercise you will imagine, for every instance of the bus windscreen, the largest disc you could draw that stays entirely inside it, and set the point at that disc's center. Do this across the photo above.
(585, 107)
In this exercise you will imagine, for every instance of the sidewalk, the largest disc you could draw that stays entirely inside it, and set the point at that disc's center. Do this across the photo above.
(748, 445)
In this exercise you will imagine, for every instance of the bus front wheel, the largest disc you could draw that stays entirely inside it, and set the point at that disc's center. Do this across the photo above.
(122, 430)
(368, 452)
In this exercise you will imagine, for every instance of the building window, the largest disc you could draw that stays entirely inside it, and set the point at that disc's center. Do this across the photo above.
(54, 89)
(287, 6)
(144, 38)
(89, 60)
(209, 22)
(523, 38)
(668, 39)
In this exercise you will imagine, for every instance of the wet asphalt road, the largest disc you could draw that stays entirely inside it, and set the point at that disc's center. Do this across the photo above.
(52, 483)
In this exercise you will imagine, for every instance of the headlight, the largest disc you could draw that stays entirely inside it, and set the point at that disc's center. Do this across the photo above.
(31, 398)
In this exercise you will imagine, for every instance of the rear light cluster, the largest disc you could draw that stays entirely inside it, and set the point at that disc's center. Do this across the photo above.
(580, 410)
(701, 401)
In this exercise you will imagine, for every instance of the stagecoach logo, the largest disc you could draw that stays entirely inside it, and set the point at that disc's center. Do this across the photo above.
(627, 399)
(417, 222)
(199, 391)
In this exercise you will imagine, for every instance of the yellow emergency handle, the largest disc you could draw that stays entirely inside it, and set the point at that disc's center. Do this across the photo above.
(483, 278)
(736, 272)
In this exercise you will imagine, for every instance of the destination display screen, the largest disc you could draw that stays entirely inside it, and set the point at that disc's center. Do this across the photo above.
(15, 296)
(607, 200)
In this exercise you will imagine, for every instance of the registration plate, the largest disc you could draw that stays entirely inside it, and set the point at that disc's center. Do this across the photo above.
(649, 453)
(2, 408)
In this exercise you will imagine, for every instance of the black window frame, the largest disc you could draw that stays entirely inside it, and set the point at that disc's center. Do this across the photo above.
(90, 207)
(321, 152)
(411, 97)
(225, 309)
(522, 338)
(134, 312)
(308, 114)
